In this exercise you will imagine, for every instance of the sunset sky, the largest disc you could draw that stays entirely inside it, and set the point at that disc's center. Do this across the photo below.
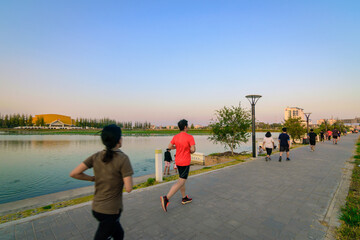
(159, 61)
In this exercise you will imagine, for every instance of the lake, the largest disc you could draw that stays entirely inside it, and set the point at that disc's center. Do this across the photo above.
(35, 165)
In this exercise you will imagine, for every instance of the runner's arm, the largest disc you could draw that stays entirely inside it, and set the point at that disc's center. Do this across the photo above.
(128, 183)
(192, 149)
(171, 146)
(78, 173)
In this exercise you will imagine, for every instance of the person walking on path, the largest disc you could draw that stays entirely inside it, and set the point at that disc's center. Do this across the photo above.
(312, 137)
(322, 136)
(284, 143)
(175, 167)
(329, 135)
(184, 144)
(113, 171)
(335, 136)
(268, 144)
(167, 160)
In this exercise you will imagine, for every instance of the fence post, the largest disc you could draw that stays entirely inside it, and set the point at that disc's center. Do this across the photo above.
(158, 165)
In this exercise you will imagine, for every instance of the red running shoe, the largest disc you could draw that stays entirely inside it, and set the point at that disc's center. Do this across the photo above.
(164, 203)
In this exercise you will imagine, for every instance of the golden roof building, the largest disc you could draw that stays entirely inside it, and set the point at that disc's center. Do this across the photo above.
(51, 118)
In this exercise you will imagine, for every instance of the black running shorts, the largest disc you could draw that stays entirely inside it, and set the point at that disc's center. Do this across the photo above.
(269, 151)
(335, 137)
(183, 171)
(284, 148)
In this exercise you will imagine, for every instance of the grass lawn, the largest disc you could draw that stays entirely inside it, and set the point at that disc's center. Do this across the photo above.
(350, 213)
(126, 132)
(97, 132)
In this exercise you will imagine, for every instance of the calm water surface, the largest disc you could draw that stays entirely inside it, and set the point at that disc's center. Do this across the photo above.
(35, 165)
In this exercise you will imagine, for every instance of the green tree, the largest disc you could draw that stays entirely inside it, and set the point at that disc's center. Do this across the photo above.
(22, 120)
(192, 126)
(30, 121)
(339, 125)
(6, 123)
(40, 121)
(276, 126)
(230, 127)
(295, 128)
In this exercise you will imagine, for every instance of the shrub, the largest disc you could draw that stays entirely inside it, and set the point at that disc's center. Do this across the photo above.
(150, 181)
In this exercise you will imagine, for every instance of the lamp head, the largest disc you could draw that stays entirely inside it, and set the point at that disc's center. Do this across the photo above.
(253, 98)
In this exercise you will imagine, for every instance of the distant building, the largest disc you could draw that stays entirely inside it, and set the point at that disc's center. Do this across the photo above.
(198, 126)
(294, 112)
(329, 121)
(55, 120)
(352, 121)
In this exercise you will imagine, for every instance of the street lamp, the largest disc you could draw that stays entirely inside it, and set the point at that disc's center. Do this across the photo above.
(307, 115)
(253, 100)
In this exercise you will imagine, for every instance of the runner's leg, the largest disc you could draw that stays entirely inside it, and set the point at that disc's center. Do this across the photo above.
(182, 190)
(176, 187)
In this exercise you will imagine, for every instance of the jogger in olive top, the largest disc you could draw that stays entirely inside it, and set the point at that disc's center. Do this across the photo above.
(113, 171)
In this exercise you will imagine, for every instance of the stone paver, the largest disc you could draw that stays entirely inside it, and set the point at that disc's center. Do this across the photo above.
(255, 200)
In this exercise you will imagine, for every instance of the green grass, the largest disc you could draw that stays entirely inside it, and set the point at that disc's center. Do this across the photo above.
(97, 132)
(126, 132)
(51, 207)
(350, 213)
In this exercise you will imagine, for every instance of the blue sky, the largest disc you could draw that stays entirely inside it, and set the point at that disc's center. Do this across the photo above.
(160, 61)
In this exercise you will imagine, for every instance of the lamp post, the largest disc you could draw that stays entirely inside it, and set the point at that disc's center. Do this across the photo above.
(307, 115)
(253, 100)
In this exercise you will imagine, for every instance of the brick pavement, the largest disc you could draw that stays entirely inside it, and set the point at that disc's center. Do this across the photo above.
(255, 200)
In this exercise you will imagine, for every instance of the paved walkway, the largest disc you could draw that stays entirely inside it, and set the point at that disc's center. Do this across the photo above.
(255, 200)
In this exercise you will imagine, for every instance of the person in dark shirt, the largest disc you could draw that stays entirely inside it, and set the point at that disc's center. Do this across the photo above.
(284, 143)
(335, 136)
(167, 160)
(322, 136)
(312, 137)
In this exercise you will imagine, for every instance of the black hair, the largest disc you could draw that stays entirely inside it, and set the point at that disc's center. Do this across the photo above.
(284, 129)
(110, 137)
(311, 130)
(182, 124)
(268, 134)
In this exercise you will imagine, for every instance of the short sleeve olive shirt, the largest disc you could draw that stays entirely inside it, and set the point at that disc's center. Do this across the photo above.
(109, 182)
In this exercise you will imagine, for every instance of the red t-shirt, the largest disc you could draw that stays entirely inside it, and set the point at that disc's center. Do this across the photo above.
(183, 141)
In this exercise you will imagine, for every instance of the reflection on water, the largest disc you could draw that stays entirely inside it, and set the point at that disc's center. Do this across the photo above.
(34, 165)
(18, 144)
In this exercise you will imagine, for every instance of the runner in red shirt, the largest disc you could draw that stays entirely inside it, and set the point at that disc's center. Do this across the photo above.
(184, 144)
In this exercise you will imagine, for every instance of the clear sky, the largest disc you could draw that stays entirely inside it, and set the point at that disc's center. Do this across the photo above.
(160, 61)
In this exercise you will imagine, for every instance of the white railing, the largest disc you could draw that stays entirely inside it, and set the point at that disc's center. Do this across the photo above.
(198, 158)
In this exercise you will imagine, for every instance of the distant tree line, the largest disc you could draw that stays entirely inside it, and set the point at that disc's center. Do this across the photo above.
(339, 125)
(100, 123)
(23, 120)
(15, 120)
(268, 126)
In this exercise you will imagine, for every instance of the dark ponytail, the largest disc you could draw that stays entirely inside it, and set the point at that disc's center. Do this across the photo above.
(110, 137)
